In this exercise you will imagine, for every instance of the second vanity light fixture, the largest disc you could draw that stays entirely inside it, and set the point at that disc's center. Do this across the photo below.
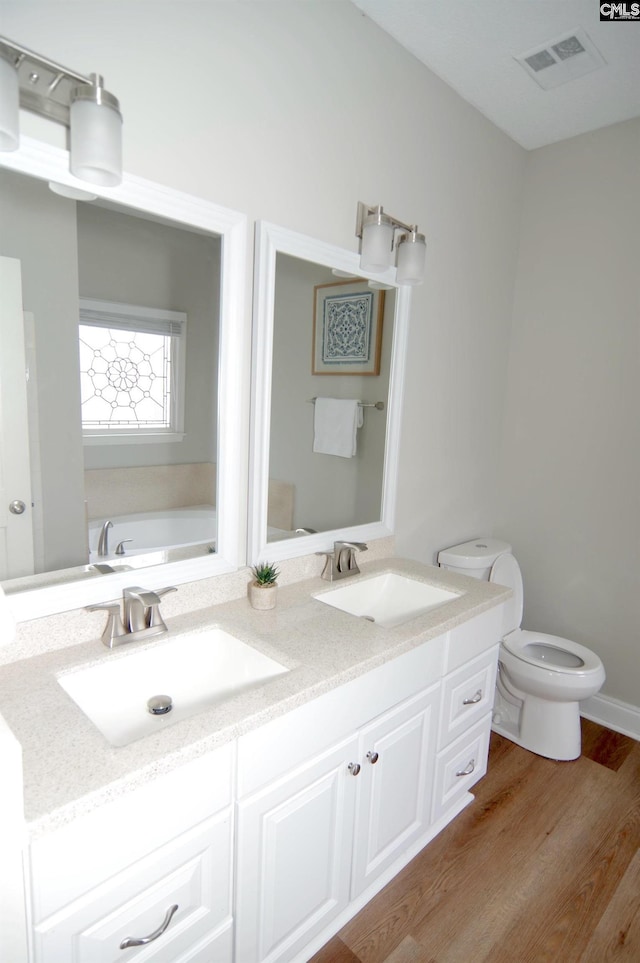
(81, 103)
(379, 236)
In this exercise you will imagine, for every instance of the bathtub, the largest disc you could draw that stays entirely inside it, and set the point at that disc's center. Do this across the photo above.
(152, 531)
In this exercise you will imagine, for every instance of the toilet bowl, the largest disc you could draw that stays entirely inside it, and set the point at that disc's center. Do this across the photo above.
(541, 678)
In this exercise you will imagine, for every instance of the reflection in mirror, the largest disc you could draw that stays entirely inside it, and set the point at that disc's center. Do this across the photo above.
(102, 395)
(326, 347)
(118, 317)
(309, 489)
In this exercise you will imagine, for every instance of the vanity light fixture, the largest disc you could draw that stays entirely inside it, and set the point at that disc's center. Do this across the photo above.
(80, 103)
(377, 231)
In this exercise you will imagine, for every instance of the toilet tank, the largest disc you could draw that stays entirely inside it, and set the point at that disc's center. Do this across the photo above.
(473, 558)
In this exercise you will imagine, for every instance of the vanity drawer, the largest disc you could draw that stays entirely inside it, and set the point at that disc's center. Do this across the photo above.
(193, 872)
(467, 695)
(460, 766)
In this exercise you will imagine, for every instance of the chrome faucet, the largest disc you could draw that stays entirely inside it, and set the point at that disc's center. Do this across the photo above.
(142, 618)
(103, 543)
(341, 562)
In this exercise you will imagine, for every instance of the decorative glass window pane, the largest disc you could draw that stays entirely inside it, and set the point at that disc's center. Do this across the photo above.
(131, 370)
(125, 379)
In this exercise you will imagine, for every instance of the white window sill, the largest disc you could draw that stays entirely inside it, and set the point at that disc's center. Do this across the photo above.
(131, 438)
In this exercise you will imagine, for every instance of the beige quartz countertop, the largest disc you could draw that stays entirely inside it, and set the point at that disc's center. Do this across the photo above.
(70, 768)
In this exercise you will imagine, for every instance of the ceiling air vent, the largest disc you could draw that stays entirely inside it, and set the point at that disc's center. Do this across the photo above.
(562, 60)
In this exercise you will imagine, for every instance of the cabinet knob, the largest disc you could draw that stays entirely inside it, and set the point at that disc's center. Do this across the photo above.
(373, 757)
(474, 699)
(468, 769)
(354, 768)
(143, 940)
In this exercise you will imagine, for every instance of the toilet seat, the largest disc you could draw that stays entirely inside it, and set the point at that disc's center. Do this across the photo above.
(551, 652)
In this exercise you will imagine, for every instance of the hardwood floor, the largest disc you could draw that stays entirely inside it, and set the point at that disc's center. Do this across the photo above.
(544, 867)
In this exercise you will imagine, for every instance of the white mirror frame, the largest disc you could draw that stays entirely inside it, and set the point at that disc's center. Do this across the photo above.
(51, 164)
(271, 240)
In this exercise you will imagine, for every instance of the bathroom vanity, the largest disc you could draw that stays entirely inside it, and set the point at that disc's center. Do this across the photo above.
(271, 818)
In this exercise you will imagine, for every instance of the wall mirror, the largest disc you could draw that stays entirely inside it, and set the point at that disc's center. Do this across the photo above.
(301, 499)
(124, 442)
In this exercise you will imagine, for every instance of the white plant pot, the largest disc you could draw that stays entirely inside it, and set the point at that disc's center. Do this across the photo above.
(262, 596)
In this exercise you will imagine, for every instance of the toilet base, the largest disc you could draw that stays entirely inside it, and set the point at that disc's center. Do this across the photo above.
(550, 729)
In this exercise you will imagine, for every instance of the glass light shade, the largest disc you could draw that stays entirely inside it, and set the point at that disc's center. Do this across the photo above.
(377, 243)
(64, 190)
(9, 106)
(411, 257)
(96, 136)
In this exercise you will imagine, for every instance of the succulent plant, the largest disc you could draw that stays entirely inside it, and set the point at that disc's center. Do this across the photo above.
(265, 573)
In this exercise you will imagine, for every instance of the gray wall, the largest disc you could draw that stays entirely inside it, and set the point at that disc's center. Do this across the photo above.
(570, 474)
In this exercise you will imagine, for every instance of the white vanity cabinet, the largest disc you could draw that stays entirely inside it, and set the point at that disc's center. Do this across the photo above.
(271, 843)
(114, 876)
(313, 838)
(337, 796)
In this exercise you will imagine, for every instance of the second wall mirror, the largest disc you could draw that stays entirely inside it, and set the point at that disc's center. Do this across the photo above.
(323, 334)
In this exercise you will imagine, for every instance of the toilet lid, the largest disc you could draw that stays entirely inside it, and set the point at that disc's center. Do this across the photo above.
(506, 571)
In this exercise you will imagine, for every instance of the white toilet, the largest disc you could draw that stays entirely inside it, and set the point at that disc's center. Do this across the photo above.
(541, 678)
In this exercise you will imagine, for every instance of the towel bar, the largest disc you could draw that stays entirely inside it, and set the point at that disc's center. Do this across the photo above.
(363, 404)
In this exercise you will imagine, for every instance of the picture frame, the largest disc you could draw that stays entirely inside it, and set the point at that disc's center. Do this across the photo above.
(347, 328)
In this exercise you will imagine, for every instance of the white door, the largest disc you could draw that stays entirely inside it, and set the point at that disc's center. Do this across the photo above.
(394, 791)
(294, 856)
(16, 519)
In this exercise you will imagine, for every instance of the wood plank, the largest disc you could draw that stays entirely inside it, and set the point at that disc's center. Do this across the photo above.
(616, 938)
(335, 951)
(604, 746)
(410, 951)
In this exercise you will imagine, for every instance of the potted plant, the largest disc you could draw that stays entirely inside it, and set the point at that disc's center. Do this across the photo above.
(263, 589)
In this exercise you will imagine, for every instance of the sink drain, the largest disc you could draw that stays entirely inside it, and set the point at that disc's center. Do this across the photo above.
(159, 705)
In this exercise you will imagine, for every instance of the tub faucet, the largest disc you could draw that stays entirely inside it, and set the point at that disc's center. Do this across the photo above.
(341, 562)
(103, 543)
(142, 618)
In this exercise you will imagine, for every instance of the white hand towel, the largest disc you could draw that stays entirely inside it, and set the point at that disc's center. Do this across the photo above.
(335, 425)
(7, 621)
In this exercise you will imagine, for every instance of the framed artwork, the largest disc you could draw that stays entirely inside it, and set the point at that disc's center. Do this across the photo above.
(347, 328)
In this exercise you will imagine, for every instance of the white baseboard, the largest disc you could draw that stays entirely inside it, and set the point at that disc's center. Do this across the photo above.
(612, 713)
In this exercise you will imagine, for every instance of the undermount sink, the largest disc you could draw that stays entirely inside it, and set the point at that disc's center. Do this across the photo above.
(388, 599)
(195, 672)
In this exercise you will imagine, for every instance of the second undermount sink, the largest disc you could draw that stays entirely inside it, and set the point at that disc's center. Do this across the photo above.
(194, 671)
(388, 599)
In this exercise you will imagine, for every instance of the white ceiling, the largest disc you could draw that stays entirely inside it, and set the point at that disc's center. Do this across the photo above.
(471, 45)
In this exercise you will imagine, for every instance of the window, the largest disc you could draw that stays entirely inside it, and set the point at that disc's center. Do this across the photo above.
(131, 372)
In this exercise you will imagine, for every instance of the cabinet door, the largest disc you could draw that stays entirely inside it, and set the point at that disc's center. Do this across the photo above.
(294, 855)
(397, 752)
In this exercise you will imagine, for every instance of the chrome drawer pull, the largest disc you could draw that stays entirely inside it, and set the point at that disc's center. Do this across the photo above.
(373, 757)
(467, 772)
(131, 941)
(354, 768)
(474, 700)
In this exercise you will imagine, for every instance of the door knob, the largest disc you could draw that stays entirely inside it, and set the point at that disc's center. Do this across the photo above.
(17, 507)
